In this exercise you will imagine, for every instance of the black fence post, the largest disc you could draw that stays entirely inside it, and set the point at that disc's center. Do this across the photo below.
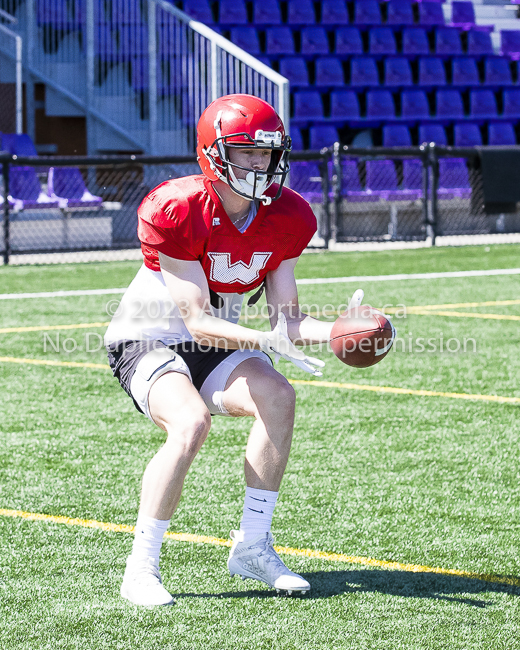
(336, 190)
(434, 217)
(7, 239)
(425, 187)
(324, 174)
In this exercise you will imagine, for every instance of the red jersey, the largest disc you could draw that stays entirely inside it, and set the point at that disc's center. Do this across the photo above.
(184, 219)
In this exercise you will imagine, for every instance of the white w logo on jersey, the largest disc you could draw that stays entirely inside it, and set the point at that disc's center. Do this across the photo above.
(223, 271)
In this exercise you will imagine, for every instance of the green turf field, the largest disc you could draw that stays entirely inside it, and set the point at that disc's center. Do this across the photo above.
(431, 479)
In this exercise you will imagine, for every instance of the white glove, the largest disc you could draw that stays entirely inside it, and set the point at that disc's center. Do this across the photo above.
(277, 342)
(356, 299)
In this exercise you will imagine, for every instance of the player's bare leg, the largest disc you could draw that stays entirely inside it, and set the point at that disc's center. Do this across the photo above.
(178, 409)
(255, 388)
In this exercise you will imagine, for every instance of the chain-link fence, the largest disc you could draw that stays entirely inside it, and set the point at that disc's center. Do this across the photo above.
(58, 204)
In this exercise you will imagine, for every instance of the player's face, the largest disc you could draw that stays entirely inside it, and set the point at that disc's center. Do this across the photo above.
(253, 158)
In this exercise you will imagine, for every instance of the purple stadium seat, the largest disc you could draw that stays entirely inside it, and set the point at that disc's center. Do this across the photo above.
(511, 101)
(232, 12)
(308, 107)
(382, 180)
(329, 72)
(467, 135)
(133, 41)
(266, 12)
(300, 12)
(414, 106)
(67, 184)
(295, 69)
(396, 135)
(78, 10)
(334, 13)
(449, 105)
(412, 175)
(447, 41)
(500, 133)
(479, 43)
(348, 41)
(126, 12)
(296, 138)
(55, 14)
(398, 73)
(344, 106)
(199, 10)
(18, 144)
(246, 38)
(351, 186)
(322, 136)
(510, 43)
(314, 41)
(105, 45)
(399, 13)
(433, 133)
(431, 72)
(26, 191)
(306, 180)
(380, 106)
(415, 42)
(483, 104)
(367, 12)
(430, 13)
(279, 41)
(497, 72)
(363, 72)
(382, 41)
(453, 179)
(463, 15)
(464, 72)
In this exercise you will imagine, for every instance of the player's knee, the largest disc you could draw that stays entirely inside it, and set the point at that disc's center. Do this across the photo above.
(189, 428)
(276, 396)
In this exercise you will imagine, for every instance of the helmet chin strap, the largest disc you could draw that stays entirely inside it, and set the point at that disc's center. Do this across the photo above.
(249, 188)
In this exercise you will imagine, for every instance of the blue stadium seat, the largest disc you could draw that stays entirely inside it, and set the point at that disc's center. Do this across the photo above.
(449, 105)
(348, 41)
(500, 133)
(279, 41)
(479, 43)
(295, 69)
(334, 13)
(415, 42)
(467, 135)
(381, 175)
(296, 139)
(453, 179)
(382, 41)
(322, 136)
(464, 72)
(400, 13)
(314, 41)
(497, 72)
(306, 180)
(483, 104)
(367, 12)
(55, 14)
(246, 38)
(363, 72)
(266, 12)
(199, 10)
(430, 13)
(350, 183)
(18, 144)
(463, 14)
(396, 135)
(133, 41)
(432, 133)
(431, 72)
(380, 106)
(511, 101)
(300, 12)
(447, 41)
(329, 72)
(398, 73)
(344, 106)
(308, 107)
(414, 106)
(412, 175)
(510, 43)
(126, 12)
(105, 45)
(232, 12)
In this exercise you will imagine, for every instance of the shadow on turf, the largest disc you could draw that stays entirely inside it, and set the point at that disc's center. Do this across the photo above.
(326, 584)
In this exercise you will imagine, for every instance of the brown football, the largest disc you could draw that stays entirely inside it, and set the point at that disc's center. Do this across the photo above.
(362, 336)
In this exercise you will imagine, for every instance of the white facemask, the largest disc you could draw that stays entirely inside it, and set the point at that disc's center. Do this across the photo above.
(247, 184)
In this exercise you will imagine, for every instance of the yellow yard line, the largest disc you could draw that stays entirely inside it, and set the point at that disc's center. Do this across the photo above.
(41, 328)
(460, 314)
(455, 305)
(285, 550)
(309, 382)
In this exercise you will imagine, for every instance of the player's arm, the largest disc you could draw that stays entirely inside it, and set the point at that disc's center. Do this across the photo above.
(282, 295)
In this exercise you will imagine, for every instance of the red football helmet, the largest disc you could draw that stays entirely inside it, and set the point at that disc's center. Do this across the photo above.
(243, 121)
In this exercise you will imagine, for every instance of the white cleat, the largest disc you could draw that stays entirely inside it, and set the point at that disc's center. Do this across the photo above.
(142, 584)
(258, 560)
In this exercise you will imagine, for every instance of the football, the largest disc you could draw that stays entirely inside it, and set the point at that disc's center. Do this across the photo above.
(362, 336)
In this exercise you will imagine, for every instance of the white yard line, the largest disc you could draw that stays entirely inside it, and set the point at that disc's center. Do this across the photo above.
(352, 278)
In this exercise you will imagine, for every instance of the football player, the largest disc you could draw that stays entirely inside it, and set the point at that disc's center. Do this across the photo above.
(177, 349)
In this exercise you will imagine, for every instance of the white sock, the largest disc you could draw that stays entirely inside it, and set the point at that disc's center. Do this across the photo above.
(258, 512)
(149, 534)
